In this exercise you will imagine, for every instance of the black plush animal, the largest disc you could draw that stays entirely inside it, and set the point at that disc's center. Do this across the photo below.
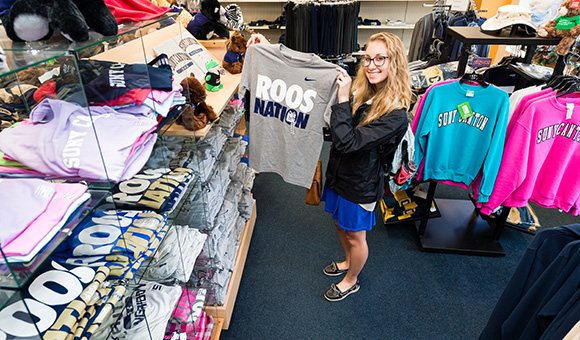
(210, 19)
(32, 20)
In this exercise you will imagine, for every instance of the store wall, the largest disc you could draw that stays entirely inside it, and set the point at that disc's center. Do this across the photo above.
(496, 52)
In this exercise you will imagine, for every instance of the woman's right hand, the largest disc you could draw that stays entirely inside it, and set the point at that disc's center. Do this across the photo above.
(344, 82)
(257, 38)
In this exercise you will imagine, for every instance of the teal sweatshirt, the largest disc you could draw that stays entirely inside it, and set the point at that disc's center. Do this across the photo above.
(456, 149)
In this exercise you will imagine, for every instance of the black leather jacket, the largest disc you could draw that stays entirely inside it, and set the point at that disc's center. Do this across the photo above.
(354, 168)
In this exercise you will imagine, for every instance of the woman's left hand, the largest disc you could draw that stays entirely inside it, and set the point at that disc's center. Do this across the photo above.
(344, 82)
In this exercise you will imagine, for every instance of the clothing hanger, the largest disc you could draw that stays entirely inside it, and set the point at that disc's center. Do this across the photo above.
(567, 86)
(474, 78)
(573, 88)
(563, 83)
(555, 80)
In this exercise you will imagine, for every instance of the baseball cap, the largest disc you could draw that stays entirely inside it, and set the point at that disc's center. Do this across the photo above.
(508, 15)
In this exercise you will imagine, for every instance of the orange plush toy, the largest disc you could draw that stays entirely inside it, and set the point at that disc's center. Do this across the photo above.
(198, 113)
(566, 26)
(234, 58)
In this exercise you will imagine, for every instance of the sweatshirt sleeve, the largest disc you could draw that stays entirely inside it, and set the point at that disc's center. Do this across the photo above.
(423, 130)
(348, 138)
(494, 156)
(513, 169)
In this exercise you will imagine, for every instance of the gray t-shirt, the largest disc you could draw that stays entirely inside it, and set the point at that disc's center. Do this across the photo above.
(290, 98)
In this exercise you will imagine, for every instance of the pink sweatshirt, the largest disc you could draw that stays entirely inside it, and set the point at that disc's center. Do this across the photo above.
(541, 158)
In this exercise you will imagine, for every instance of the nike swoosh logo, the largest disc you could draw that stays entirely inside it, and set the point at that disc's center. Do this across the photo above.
(308, 79)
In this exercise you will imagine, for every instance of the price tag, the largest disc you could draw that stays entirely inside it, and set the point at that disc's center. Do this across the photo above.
(465, 110)
(481, 62)
(569, 110)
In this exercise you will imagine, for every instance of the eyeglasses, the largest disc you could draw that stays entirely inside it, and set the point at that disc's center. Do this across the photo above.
(378, 60)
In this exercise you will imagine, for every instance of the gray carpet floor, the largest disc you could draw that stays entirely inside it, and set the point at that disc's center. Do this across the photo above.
(406, 293)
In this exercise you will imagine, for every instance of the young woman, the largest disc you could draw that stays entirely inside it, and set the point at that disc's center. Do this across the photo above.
(370, 113)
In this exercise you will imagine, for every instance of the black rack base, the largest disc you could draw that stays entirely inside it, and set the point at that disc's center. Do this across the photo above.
(460, 230)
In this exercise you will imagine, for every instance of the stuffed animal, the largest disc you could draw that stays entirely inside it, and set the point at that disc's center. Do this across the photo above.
(566, 26)
(212, 77)
(32, 20)
(198, 113)
(235, 18)
(209, 20)
(234, 58)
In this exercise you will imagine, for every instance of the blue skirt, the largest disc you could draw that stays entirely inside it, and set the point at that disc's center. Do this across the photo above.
(350, 216)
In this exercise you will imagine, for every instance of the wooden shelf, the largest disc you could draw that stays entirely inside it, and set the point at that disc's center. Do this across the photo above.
(214, 43)
(218, 325)
(225, 312)
(387, 27)
(266, 27)
(218, 100)
(262, 1)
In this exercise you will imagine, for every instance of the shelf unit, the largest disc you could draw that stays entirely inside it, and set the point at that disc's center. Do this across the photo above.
(409, 11)
(225, 312)
(146, 35)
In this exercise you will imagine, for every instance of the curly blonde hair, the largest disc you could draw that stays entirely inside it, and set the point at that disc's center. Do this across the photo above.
(396, 93)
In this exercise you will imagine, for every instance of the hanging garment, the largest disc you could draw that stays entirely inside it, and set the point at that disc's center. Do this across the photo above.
(541, 158)
(287, 109)
(421, 35)
(543, 288)
(324, 28)
(455, 148)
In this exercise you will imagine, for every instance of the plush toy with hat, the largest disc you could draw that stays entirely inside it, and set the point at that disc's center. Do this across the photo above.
(213, 76)
(566, 26)
(198, 113)
(510, 16)
(209, 20)
(32, 20)
(236, 52)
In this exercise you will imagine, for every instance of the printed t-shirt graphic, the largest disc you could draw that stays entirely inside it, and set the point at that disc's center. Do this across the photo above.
(150, 189)
(59, 139)
(48, 298)
(109, 236)
(103, 308)
(107, 81)
(144, 313)
(290, 98)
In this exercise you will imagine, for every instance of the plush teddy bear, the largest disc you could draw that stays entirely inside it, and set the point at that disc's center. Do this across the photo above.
(566, 26)
(236, 52)
(32, 20)
(209, 20)
(198, 113)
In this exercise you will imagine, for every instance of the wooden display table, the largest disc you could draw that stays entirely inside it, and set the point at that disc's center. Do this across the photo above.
(217, 47)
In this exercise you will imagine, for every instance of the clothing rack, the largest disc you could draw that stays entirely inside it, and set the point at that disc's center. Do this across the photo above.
(473, 7)
(462, 229)
(326, 28)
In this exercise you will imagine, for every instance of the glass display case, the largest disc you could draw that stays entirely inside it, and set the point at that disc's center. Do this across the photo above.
(141, 240)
